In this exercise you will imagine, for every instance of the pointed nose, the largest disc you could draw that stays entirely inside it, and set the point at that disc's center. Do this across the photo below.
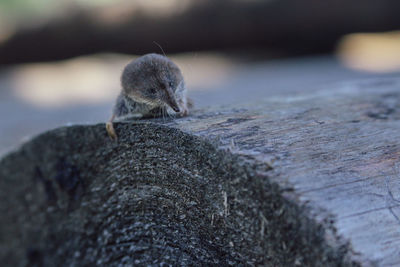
(172, 102)
(174, 106)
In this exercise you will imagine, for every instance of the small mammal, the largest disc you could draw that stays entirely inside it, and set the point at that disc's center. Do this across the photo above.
(152, 85)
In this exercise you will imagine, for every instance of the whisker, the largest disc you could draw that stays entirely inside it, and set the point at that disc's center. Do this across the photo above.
(160, 47)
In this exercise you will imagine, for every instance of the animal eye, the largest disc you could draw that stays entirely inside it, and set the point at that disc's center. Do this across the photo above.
(152, 91)
(171, 84)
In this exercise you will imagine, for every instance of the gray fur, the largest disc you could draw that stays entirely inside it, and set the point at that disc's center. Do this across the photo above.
(151, 85)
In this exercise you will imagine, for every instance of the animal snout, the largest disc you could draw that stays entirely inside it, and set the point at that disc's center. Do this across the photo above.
(176, 108)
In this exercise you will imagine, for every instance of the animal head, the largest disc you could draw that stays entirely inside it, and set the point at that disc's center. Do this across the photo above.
(153, 79)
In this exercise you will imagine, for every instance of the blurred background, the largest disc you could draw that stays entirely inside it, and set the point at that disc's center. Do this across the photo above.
(60, 60)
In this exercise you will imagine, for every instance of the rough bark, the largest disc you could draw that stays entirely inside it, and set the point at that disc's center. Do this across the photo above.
(305, 180)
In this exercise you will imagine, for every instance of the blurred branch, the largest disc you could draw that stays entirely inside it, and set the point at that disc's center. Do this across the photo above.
(287, 26)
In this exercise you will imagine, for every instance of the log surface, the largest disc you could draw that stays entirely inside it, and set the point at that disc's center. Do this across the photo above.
(310, 179)
(338, 149)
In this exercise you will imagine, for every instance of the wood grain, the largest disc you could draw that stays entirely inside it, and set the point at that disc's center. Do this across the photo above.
(308, 179)
(338, 149)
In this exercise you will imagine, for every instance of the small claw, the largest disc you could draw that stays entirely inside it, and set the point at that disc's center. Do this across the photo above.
(111, 131)
(185, 112)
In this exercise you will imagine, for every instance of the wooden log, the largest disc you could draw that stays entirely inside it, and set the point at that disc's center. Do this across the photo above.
(307, 180)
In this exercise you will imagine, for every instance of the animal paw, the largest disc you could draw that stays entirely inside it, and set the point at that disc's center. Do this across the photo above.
(111, 131)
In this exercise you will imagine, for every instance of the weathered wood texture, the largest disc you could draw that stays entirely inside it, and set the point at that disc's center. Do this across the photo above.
(157, 197)
(201, 189)
(339, 149)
